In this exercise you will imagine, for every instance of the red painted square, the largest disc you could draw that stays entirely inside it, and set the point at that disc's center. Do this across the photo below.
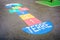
(32, 21)
(24, 8)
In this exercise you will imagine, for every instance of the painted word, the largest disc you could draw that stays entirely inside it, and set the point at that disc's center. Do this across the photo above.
(41, 28)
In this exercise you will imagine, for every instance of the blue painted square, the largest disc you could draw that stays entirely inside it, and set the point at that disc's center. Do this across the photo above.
(21, 12)
(18, 12)
(25, 12)
(13, 5)
(8, 7)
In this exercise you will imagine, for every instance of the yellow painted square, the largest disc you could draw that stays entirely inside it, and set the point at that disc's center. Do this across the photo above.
(26, 16)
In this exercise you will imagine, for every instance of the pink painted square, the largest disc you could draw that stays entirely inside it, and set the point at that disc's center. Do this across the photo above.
(23, 9)
(32, 21)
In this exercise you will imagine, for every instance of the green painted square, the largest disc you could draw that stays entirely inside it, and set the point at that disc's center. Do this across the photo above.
(11, 11)
(16, 7)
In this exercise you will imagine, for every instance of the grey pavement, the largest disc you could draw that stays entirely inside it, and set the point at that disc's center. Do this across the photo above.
(11, 24)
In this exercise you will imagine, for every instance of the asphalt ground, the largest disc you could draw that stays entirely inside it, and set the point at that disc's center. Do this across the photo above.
(11, 24)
